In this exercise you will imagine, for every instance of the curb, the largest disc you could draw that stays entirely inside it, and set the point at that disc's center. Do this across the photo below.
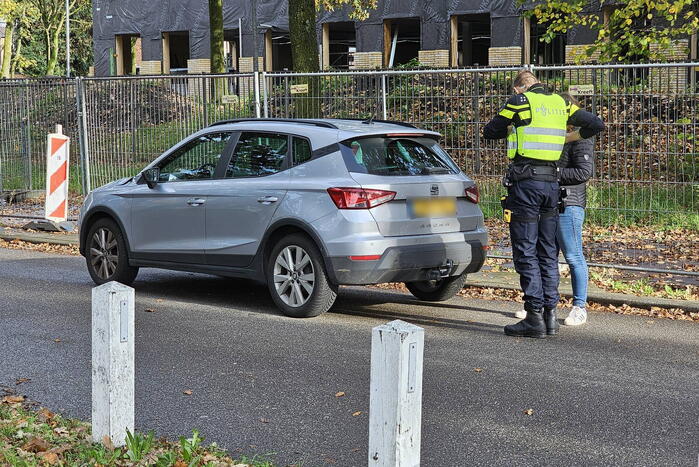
(33, 238)
(608, 298)
(604, 298)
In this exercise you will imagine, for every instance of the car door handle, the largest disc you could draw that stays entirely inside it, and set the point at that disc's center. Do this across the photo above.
(267, 199)
(196, 201)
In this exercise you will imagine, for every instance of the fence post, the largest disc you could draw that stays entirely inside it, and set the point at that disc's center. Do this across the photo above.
(383, 97)
(265, 100)
(28, 142)
(256, 85)
(82, 136)
(112, 362)
(204, 100)
(395, 403)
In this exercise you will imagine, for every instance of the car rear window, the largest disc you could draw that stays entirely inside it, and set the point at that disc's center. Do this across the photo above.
(385, 155)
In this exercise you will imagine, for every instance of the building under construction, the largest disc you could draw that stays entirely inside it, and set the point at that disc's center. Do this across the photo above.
(172, 36)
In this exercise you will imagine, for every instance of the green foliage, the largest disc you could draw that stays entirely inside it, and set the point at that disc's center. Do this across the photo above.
(39, 47)
(631, 31)
(137, 445)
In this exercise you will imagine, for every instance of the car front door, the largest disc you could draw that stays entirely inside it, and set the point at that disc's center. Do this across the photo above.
(169, 220)
(242, 203)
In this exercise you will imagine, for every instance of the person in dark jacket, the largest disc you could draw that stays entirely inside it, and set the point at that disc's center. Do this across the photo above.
(577, 166)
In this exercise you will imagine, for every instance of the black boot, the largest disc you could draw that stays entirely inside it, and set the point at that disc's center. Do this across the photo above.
(551, 321)
(531, 326)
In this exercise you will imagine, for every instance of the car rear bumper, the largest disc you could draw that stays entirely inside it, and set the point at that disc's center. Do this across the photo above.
(407, 263)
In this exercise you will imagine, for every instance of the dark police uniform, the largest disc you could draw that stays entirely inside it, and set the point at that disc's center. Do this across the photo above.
(539, 119)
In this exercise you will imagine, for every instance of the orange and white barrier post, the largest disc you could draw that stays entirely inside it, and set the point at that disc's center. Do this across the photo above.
(57, 157)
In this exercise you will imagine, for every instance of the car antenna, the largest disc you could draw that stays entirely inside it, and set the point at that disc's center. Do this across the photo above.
(369, 120)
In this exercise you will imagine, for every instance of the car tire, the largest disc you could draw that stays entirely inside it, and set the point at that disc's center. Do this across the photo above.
(301, 290)
(106, 255)
(437, 291)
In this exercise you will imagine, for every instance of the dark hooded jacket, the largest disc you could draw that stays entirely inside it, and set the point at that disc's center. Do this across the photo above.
(577, 165)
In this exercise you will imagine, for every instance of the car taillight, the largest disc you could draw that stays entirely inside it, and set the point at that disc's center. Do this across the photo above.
(359, 198)
(472, 194)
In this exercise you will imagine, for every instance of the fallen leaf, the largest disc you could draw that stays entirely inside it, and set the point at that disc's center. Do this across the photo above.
(529, 412)
(22, 380)
(330, 460)
(264, 420)
(49, 457)
(650, 322)
(478, 370)
(57, 340)
(36, 444)
(356, 414)
(159, 300)
(180, 464)
(13, 399)
(61, 431)
(340, 394)
(107, 441)
(44, 415)
(187, 392)
(149, 310)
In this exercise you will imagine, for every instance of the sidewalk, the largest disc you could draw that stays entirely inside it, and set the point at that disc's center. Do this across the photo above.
(498, 280)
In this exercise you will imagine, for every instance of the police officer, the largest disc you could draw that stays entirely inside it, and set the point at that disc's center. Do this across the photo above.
(534, 122)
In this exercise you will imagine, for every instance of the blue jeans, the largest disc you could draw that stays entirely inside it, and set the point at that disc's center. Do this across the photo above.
(569, 238)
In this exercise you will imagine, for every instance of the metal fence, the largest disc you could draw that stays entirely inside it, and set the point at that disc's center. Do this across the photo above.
(647, 162)
(29, 110)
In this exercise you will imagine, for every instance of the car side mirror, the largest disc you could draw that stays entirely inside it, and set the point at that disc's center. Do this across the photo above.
(151, 176)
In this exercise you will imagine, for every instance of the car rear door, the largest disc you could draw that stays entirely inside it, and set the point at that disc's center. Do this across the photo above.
(241, 205)
(432, 196)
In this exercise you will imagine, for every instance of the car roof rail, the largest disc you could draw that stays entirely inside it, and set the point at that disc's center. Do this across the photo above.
(319, 123)
(369, 121)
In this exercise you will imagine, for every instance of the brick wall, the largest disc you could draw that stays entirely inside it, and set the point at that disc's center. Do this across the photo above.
(504, 56)
(434, 58)
(673, 79)
(575, 51)
(367, 60)
(196, 66)
(580, 76)
(245, 64)
(151, 67)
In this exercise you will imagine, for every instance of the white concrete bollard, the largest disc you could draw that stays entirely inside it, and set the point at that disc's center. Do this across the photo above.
(112, 362)
(395, 403)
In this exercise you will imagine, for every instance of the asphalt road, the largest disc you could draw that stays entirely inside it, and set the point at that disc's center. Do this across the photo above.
(622, 390)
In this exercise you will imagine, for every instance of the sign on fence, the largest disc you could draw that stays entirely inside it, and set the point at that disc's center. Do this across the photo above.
(57, 156)
(299, 89)
(581, 89)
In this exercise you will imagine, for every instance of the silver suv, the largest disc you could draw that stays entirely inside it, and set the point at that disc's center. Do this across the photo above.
(302, 205)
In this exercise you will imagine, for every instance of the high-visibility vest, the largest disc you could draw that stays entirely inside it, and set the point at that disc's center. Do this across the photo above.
(544, 137)
(512, 144)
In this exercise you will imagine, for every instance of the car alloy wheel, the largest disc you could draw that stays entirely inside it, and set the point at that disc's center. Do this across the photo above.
(294, 276)
(104, 253)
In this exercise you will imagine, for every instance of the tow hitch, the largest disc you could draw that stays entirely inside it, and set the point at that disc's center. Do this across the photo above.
(442, 271)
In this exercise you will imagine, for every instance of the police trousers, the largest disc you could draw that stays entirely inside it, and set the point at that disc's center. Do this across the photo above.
(533, 226)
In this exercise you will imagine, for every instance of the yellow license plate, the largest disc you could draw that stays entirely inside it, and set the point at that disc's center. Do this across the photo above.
(432, 207)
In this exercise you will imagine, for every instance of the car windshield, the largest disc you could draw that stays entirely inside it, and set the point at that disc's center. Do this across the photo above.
(385, 155)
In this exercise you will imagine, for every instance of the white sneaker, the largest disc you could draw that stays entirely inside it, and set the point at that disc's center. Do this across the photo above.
(576, 317)
(521, 314)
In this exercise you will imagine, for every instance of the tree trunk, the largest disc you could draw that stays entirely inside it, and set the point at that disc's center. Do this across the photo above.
(218, 64)
(304, 54)
(15, 58)
(7, 50)
(52, 51)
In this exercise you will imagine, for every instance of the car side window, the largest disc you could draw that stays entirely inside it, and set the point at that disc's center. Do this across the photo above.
(302, 150)
(197, 160)
(257, 155)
